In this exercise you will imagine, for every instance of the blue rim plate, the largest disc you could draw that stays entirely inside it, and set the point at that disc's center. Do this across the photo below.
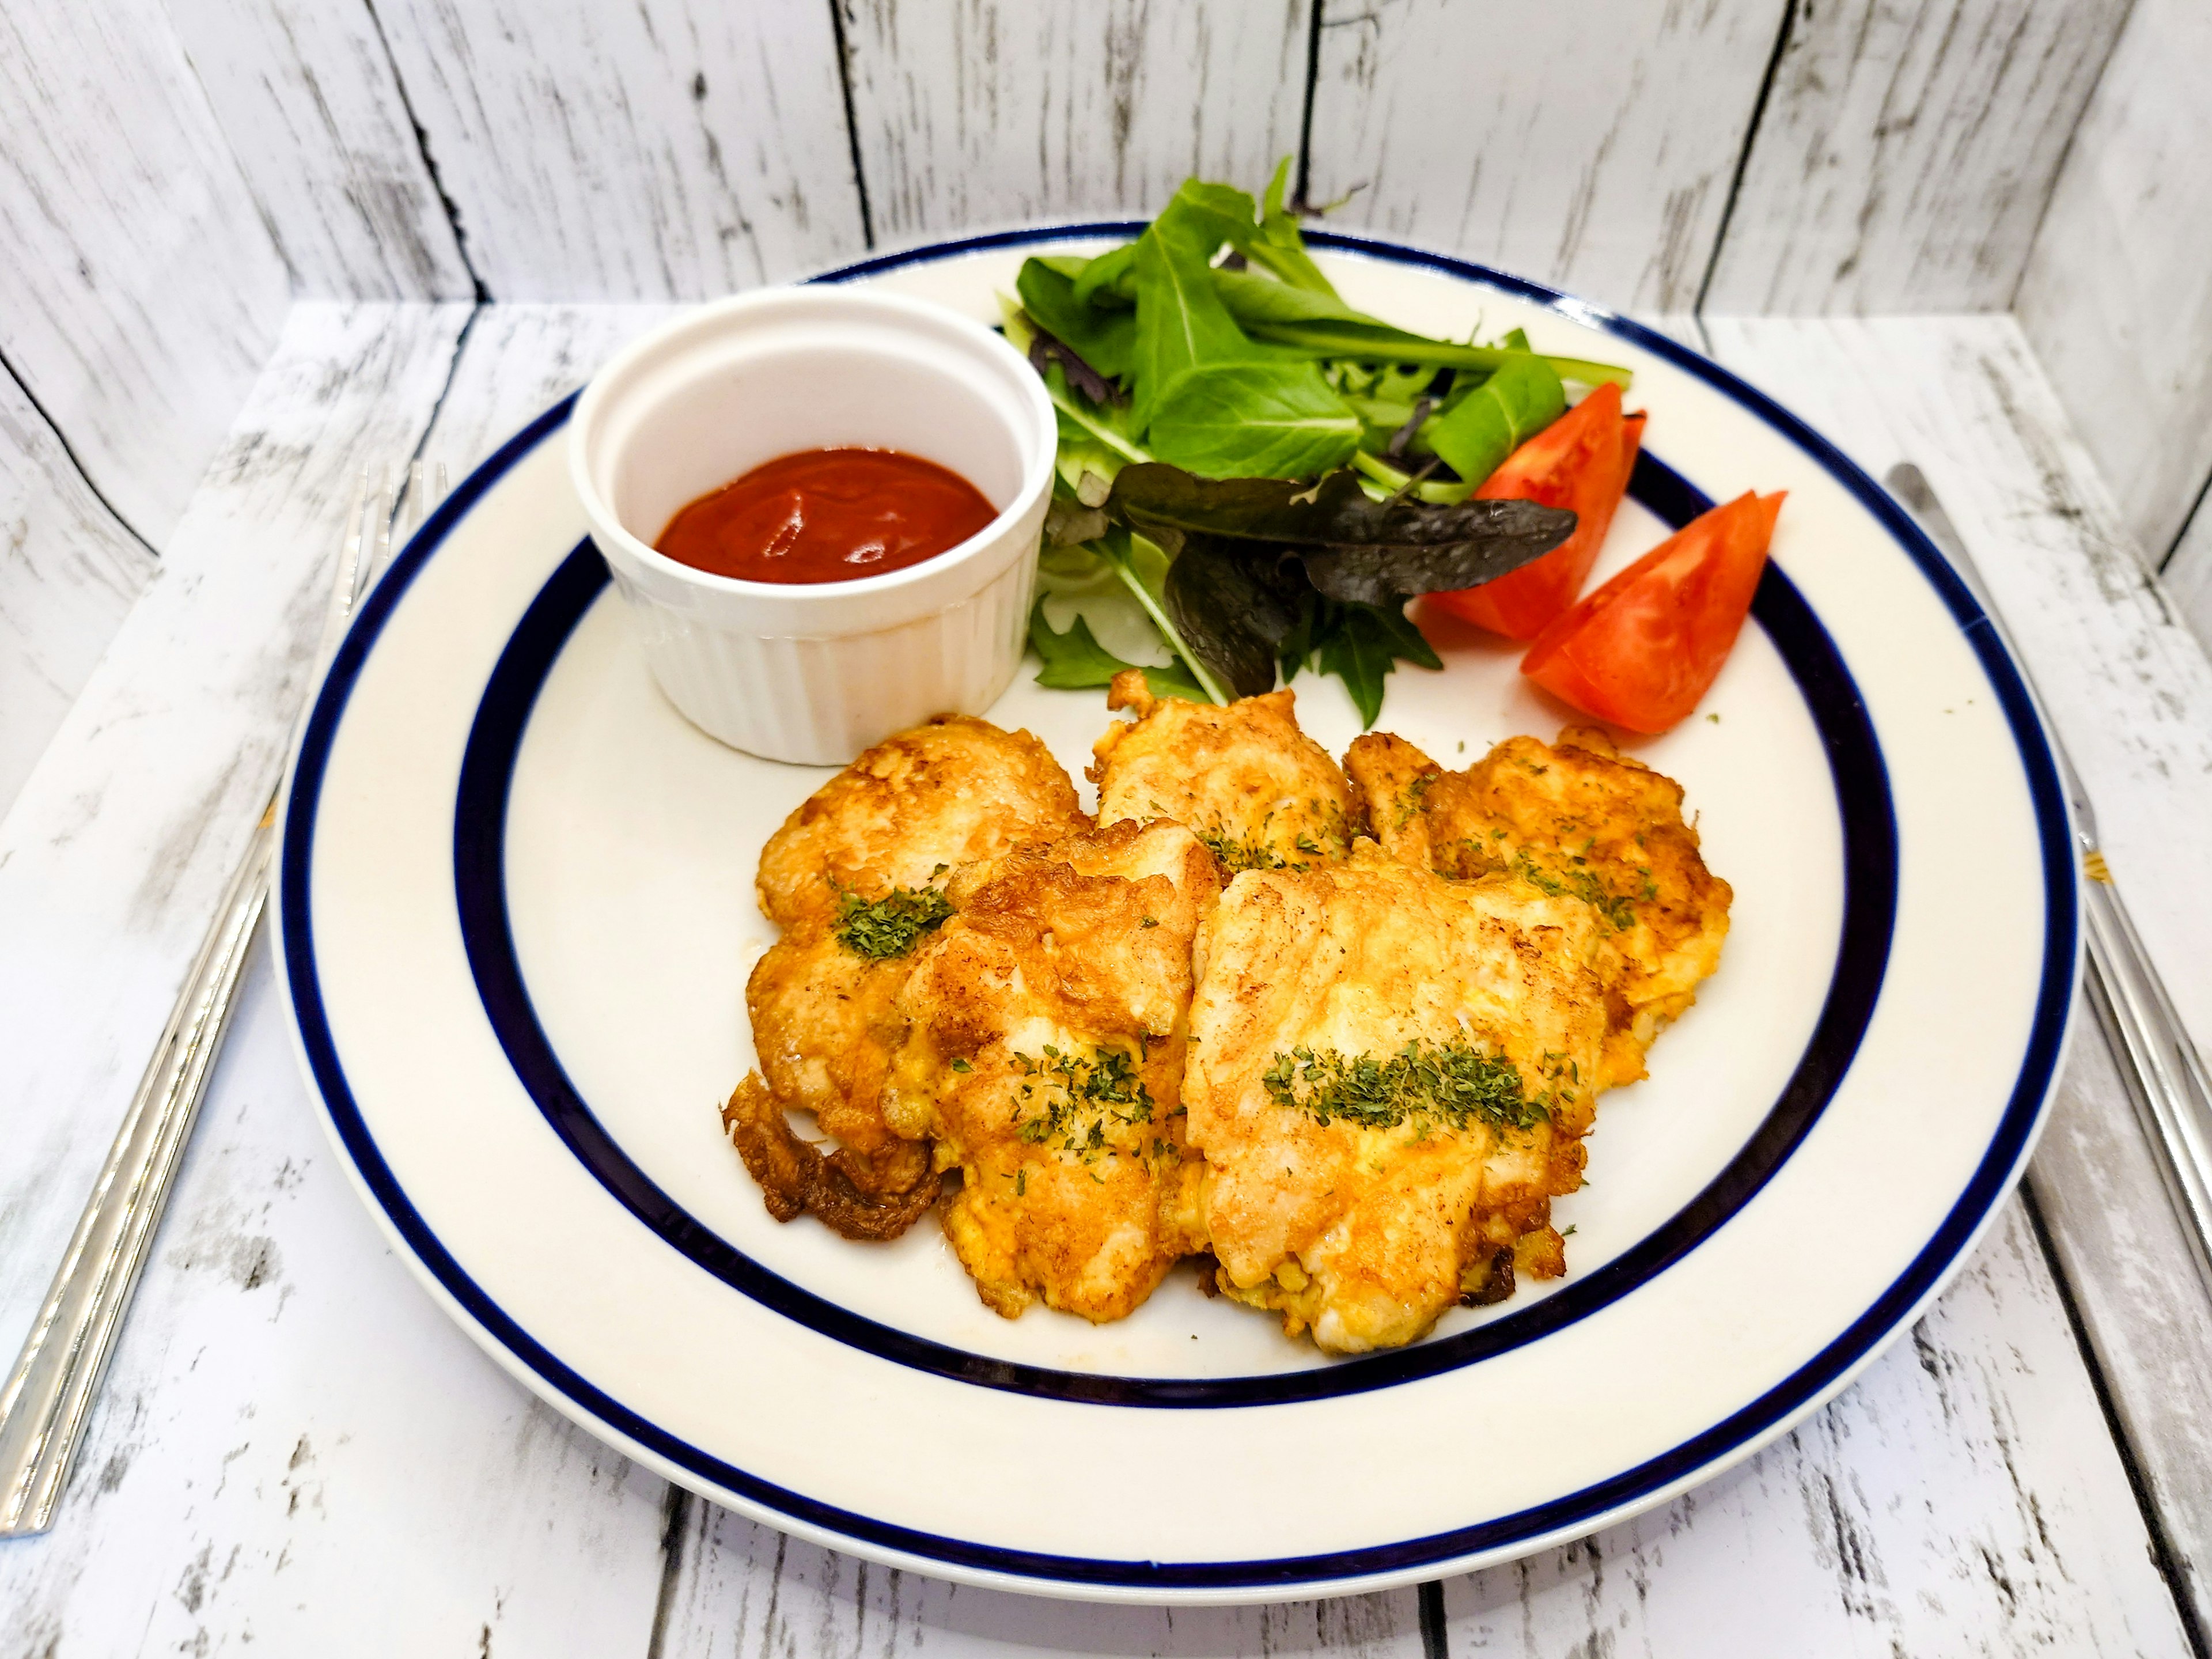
(514, 901)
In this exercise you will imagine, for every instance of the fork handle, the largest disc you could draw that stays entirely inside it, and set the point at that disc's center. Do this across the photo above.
(49, 1395)
(2166, 1075)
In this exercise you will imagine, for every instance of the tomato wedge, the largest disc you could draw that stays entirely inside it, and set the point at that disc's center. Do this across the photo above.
(1582, 461)
(1641, 650)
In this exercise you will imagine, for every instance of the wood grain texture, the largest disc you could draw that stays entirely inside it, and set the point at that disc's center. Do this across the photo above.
(2120, 1246)
(139, 293)
(2118, 296)
(2130, 691)
(1588, 146)
(297, 1448)
(736, 1587)
(307, 97)
(517, 360)
(1826, 1542)
(115, 853)
(1906, 153)
(68, 572)
(2188, 574)
(673, 149)
(974, 113)
(2126, 681)
(296, 1452)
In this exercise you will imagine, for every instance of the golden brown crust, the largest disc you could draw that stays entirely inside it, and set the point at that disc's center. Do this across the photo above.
(1044, 1052)
(905, 814)
(1577, 818)
(924, 801)
(1364, 1234)
(796, 1179)
(1257, 790)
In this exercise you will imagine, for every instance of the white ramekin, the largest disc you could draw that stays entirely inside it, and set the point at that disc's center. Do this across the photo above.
(815, 673)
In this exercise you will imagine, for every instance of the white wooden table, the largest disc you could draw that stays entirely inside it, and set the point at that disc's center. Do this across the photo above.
(298, 1453)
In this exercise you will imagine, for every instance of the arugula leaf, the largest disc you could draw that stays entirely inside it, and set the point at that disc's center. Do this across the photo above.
(1262, 300)
(1280, 245)
(1110, 280)
(1236, 611)
(1107, 340)
(1477, 432)
(1318, 324)
(1245, 419)
(1353, 548)
(1267, 235)
(1181, 321)
(1075, 661)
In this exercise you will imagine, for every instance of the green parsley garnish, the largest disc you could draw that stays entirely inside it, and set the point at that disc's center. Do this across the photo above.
(1618, 910)
(1075, 1098)
(1254, 853)
(891, 927)
(1423, 1083)
(1410, 802)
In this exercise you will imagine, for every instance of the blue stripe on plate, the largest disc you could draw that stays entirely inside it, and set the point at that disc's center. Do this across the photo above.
(480, 817)
(1824, 1372)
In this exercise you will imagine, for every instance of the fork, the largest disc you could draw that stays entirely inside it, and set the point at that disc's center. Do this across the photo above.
(2167, 1077)
(49, 1395)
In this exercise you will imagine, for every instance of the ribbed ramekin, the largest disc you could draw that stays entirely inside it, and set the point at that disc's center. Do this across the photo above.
(815, 672)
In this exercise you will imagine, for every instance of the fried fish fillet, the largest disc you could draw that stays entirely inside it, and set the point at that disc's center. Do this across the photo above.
(1044, 1055)
(1389, 1083)
(1257, 790)
(854, 879)
(1576, 819)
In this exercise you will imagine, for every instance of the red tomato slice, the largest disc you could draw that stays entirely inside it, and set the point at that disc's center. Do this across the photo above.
(1641, 649)
(1582, 461)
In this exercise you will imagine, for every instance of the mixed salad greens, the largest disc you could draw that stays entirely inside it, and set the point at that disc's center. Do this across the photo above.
(1255, 477)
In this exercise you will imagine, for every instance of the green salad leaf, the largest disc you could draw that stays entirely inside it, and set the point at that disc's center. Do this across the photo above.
(1255, 419)
(1110, 280)
(1253, 474)
(1181, 321)
(1362, 643)
(1478, 431)
(1107, 340)
(1075, 661)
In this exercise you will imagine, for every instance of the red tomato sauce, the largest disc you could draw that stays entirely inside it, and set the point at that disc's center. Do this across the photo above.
(827, 515)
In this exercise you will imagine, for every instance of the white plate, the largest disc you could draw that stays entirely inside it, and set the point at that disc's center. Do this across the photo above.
(517, 917)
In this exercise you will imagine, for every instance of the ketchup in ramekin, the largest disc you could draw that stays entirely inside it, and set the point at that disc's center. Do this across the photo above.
(827, 515)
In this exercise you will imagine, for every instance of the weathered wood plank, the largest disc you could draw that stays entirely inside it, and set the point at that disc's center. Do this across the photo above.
(140, 293)
(2188, 573)
(296, 1447)
(2127, 682)
(2130, 692)
(2120, 1246)
(1590, 146)
(1963, 1496)
(517, 360)
(68, 572)
(307, 98)
(667, 150)
(1906, 153)
(739, 1587)
(115, 853)
(2118, 296)
(972, 113)
(297, 1452)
